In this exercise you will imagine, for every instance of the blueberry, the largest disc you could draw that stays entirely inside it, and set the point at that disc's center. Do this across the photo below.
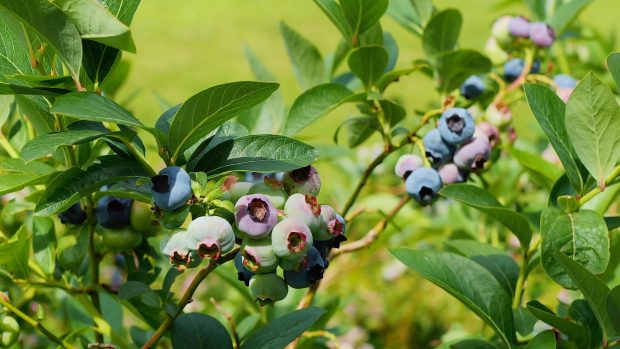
(258, 256)
(290, 239)
(485, 129)
(305, 180)
(305, 208)
(257, 177)
(73, 215)
(171, 189)
(406, 164)
(449, 174)
(564, 93)
(311, 272)
(498, 115)
(268, 288)
(239, 189)
(255, 215)
(211, 236)
(330, 226)
(113, 212)
(178, 249)
(563, 80)
(473, 87)
(519, 26)
(423, 185)
(541, 34)
(243, 274)
(500, 31)
(276, 194)
(456, 126)
(9, 331)
(513, 69)
(437, 151)
(473, 155)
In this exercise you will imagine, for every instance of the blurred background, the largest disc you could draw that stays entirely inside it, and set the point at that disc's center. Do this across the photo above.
(187, 46)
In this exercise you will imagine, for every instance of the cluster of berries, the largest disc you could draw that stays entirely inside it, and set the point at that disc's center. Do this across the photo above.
(454, 149)
(277, 224)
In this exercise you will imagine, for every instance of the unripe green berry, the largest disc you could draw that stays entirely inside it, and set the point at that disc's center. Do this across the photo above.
(268, 288)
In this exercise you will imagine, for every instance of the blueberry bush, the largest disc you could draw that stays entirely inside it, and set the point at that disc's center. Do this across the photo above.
(113, 229)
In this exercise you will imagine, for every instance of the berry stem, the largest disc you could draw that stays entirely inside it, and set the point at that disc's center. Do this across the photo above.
(8, 148)
(35, 324)
(520, 286)
(187, 297)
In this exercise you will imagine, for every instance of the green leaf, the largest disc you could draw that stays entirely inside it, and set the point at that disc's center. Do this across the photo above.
(49, 143)
(15, 253)
(359, 129)
(61, 82)
(209, 109)
(473, 344)
(363, 14)
(454, 67)
(12, 89)
(334, 12)
(283, 330)
(314, 104)
(199, 331)
(593, 126)
(368, 63)
(613, 307)
(14, 56)
(96, 23)
(537, 8)
(70, 186)
(93, 107)
(51, 24)
(613, 64)
(574, 331)
(264, 153)
(133, 289)
(16, 174)
(594, 289)
(481, 200)
(549, 111)
(307, 62)
(469, 282)
(581, 235)
(471, 248)
(442, 32)
(536, 165)
(581, 312)
(543, 340)
(403, 12)
(565, 14)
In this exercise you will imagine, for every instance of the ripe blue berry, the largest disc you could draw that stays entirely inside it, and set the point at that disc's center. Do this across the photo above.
(541, 34)
(212, 236)
(563, 80)
(243, 274)
(456, 126)
(423, 185)
(258, 256)
(255, 215)
(113, 212)
(437, 151)
(178, 249)
(514, 67)
(171, 189)
(290, 239)
(406, 164)
(268, 288)
(311, 272)
(473, 87)
(472, 156)
(330, 226)
(449, 174)
(73, 215)
(305, 180)
(519, 26)
(276, 194)
(305, 208)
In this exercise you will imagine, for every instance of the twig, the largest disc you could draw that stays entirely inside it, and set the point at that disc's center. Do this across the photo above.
(187, 296)
(231, 323)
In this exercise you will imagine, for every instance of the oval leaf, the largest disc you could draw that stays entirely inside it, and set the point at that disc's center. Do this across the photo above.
(209, 109)
(469, 282)
(305, 57)
(283, 330)
(363, 14)
(368, 63)
(613, 307)
(199, 331)
(93, 107)
(442, 32)
(48, 143)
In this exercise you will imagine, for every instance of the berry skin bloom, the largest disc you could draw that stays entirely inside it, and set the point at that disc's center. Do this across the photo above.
(456, 126)
(563, 80)
(305, 181)
(437, 151)
(211, 236)
(113, 212)
(473, 155)
(423, 185)
(541, 34)
(178, 249)
(290, 239)
(473, 87)
(519, 27)
(330, 226)
(258, 256)
(309, 274)
(172, 187)
(406, 164)
(449, 174)
(500, 31)
(255, 215)
(305, 208)
(268, 288)
(243, 274)
(276, 194)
